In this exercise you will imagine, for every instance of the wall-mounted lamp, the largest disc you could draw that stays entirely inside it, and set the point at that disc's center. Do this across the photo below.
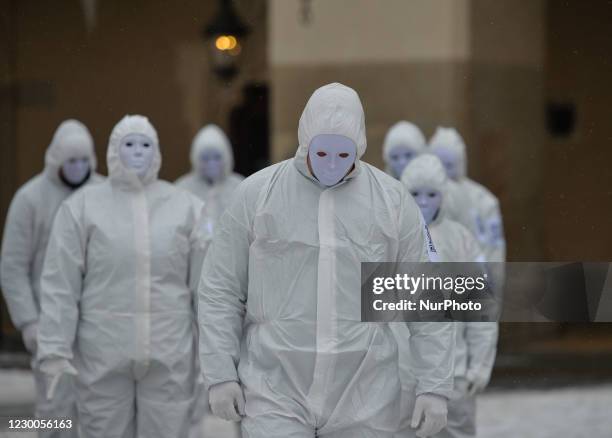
(225, 35)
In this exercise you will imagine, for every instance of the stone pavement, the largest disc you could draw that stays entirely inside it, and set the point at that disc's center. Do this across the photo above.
(572, 412)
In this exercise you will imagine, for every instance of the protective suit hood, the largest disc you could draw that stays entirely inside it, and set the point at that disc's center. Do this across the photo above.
(212, 137)
(332, 109)
(71, 139)
(427, 171)
(403, 133)
(117, 172)
(450, 140)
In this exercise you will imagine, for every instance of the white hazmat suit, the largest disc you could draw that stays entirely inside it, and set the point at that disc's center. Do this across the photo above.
(404, 141)
(473, 205)
(26, 235)
(117, 299)
(476, 341)
(280, 293)
(215, 194)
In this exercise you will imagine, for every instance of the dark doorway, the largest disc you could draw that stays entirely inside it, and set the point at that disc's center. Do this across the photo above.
(249, 130)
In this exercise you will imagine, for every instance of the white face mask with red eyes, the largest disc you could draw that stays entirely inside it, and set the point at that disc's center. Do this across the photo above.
(331, 157)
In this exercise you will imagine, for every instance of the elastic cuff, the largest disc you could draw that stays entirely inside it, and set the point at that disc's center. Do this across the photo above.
(437, 395)
(21, 325)
(218, 369)
(473, 375)
(47, 350)
(445, 390)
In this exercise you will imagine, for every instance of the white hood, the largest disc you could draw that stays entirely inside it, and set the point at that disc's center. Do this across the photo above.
(405, 134)
(450, 140)
(71, 139)
(427, 170)
(332, 109)
(211, 137)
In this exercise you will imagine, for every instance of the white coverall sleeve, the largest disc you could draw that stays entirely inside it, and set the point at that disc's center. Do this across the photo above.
(432, 344)
(470, 249)
(481, 339)
(16, 261)
(222, 294)
(61, 286)
(496, 242)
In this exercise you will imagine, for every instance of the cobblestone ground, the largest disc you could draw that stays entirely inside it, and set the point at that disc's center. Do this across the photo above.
(574, 412)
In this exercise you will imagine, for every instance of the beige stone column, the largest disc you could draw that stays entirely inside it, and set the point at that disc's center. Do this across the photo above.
(506, 134)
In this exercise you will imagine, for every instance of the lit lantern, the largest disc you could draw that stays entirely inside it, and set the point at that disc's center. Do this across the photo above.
(226, 34)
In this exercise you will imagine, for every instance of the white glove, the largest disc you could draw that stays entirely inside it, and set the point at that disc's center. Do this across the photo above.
(29, 335)
(226, 400)
(477, 382)
(53, 369)
(433, 408)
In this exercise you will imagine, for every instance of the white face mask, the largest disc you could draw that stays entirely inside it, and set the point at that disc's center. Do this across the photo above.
(210, 165)
(75, 170)
(429, 201)
(136, 152)
(450, 160)
(399, 158)
(331, 157)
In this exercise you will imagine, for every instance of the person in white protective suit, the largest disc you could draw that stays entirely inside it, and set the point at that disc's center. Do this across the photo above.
(472, 204)
(70, 163)
(404, 142)
(282, 346)
(212, 178)
(425, 178)
(117, 294)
